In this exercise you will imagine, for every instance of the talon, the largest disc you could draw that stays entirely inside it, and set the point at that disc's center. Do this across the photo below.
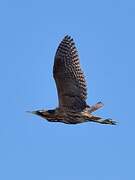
(110, 121)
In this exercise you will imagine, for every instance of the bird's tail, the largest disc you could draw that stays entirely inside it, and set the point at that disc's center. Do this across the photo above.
(95, 107)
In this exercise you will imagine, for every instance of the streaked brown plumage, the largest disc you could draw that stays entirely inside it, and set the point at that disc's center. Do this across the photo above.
(69, 78)
(71, 88)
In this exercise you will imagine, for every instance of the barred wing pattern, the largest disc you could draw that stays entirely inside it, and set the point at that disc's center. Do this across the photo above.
(69, 78)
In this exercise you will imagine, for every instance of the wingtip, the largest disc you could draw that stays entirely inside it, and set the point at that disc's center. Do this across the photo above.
(68, 37)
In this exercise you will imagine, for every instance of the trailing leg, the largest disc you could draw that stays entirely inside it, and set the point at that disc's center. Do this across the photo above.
(100, 120)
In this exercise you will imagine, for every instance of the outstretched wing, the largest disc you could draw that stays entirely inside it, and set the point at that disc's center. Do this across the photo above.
(69, 78)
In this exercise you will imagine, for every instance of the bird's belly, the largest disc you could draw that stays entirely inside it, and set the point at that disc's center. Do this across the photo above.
(68, 118)
(73, 118)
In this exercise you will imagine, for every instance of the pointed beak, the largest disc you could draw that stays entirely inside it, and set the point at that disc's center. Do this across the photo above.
(32, 112)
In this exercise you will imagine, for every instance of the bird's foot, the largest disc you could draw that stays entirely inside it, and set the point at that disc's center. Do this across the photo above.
(109, 121)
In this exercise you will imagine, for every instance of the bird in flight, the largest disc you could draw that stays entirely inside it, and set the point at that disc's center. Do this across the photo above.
(71, 89)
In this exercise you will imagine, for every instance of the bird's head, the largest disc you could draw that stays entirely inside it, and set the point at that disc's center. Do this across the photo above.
(44, 114)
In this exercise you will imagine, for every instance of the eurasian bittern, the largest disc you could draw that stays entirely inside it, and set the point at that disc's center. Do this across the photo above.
(71, 88)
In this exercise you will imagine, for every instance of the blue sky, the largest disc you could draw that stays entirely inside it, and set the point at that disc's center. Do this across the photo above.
(31, 148)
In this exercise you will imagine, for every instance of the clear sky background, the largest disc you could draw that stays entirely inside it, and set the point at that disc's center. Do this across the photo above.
(32, 148)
